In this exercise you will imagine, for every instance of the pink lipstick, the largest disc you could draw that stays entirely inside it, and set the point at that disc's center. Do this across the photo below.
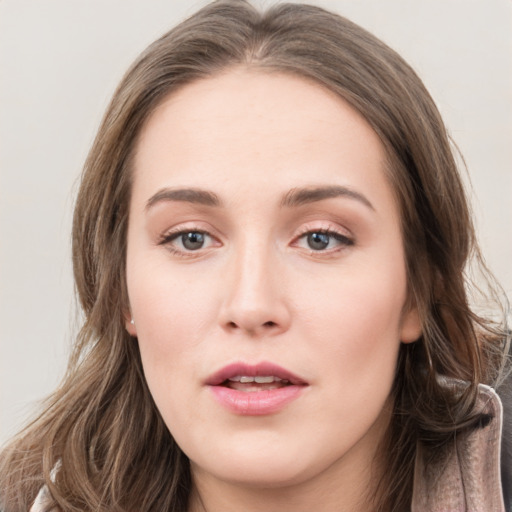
(255, 390)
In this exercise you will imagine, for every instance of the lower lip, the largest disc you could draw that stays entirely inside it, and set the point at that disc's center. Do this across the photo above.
(256, 403)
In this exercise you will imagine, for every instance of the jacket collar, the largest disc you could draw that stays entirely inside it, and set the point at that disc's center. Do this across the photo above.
(470, 479)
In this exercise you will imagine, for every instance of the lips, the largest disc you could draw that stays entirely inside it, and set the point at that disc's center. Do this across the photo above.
(255, 390)
(264, 369)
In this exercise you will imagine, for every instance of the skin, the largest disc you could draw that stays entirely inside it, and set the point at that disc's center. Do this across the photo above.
(257, 291)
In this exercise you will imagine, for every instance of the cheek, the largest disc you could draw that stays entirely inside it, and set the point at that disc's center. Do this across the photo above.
(355, 318)
(173, 314)
(356, 341)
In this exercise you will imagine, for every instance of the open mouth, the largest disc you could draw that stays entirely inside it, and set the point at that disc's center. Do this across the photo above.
(261, 376)
(254, 384)
(255, 390)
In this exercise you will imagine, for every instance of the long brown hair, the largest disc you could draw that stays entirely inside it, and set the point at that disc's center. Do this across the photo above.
(101, 427)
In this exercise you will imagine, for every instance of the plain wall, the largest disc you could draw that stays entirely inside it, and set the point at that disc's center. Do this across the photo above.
(60, 61)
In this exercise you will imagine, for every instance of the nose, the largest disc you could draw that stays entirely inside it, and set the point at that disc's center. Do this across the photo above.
(255, 300)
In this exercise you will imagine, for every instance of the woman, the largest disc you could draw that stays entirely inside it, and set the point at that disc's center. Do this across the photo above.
(269, 244)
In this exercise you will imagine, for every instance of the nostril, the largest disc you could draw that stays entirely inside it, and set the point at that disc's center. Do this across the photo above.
(269, 324)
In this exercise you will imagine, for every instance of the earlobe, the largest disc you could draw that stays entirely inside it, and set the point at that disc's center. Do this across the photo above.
(129, 324)
(411, 326)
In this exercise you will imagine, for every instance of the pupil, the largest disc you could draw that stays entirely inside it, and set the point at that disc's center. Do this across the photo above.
(318, 241)
(192, 240)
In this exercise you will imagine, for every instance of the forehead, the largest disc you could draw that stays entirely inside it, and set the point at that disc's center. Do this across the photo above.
(257, 128)
(250, 97)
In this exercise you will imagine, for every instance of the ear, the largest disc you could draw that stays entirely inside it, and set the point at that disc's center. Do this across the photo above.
(129, 324)
(410, 329)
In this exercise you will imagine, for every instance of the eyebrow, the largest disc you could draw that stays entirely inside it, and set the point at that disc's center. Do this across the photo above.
(301, 196)
(188, 195)
(294, 198)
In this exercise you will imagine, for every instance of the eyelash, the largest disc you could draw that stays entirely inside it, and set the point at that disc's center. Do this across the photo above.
(344, 240)
(167, 239)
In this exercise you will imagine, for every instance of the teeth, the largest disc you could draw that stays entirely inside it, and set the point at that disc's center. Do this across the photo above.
(260, 379)
(264, 380)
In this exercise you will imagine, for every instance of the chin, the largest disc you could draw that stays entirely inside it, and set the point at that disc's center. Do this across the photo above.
(274, 465)
(274, 474)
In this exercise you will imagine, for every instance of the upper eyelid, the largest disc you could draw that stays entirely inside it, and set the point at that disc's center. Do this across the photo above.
(324, 227)
(188, 226)
(171, 234)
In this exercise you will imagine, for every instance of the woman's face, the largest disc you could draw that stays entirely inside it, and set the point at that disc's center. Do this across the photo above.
(266, 278)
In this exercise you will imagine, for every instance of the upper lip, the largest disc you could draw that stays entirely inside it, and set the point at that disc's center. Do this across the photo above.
(253, 370)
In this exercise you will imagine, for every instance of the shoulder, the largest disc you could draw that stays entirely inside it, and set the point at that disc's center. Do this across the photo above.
(469, 478)
(42, 502)
(505, 393)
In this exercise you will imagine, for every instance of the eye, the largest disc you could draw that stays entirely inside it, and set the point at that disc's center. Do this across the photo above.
(322, 240)
(187, 240)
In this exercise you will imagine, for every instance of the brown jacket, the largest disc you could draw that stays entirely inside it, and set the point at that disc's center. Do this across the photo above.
(470, 481)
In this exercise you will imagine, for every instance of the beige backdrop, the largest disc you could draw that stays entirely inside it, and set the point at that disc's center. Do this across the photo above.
(59, 63)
